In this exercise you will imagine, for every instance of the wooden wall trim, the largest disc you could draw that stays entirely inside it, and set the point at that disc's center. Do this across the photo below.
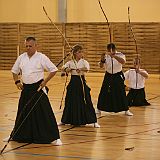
(93, 36)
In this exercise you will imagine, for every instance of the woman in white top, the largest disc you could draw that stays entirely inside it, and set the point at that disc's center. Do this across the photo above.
(38, 124)
(78, 109)
(112, 96)
(136, 82)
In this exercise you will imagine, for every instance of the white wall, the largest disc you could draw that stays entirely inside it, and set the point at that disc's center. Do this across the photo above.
(116, 10)
(28, 11)
(31, 11)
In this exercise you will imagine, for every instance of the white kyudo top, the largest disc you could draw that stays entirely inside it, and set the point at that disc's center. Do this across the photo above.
(73, 64)
(117, 67)
(134, 80)
(33, 68)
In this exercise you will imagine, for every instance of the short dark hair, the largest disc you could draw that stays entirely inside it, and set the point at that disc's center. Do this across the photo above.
(76, 48)
(30, 38)
(111, 46)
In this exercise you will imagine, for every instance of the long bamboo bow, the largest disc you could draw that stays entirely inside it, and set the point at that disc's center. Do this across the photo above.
(133, 35)
(137, 59)
(71, 48)
(109, 29)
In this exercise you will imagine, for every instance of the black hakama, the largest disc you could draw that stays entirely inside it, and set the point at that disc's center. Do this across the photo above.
(40, 125)
(112, 97)
(78, 110)
(136, 97)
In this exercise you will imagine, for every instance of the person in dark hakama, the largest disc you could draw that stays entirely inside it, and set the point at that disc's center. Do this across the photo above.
(35, 121)
(136, 82)
(78, 109)
(112, 96)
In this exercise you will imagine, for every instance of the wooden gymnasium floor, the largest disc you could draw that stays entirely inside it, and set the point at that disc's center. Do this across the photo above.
(119, 138)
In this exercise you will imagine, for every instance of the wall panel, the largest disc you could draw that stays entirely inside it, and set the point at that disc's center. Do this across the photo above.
(93, 36)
